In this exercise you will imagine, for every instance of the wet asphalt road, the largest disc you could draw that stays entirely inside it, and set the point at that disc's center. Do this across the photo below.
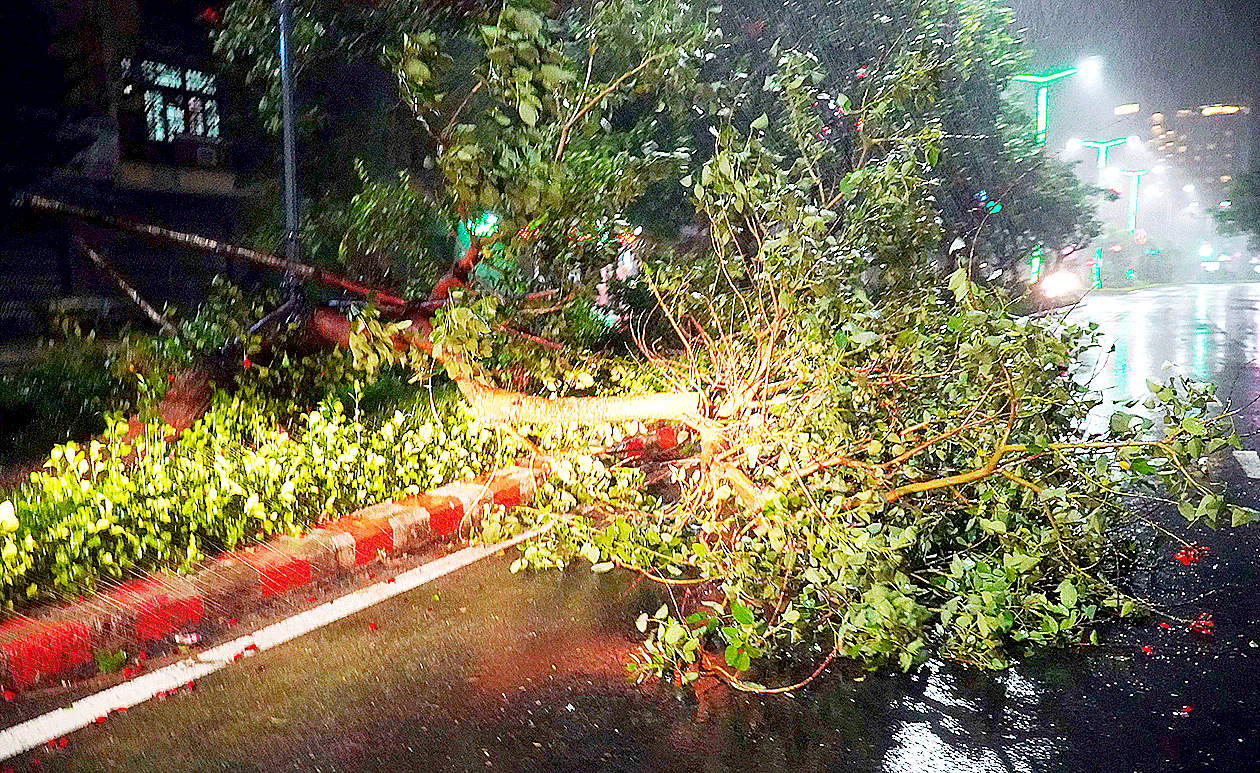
(485, 670)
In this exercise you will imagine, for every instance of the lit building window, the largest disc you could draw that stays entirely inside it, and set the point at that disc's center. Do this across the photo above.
(1226, 178)
(178, 101)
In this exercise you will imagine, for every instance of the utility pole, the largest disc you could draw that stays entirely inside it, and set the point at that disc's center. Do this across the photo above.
(292, 252)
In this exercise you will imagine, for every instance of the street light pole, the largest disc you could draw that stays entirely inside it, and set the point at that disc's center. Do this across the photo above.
(291, 244)
(1135, 176)
(1043, 88)
(1102, 146)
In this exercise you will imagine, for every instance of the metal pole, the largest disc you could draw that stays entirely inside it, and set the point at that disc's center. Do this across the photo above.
(291, 244)
(1042, 105)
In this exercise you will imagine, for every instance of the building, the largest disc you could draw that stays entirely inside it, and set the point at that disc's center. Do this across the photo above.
(1208, 145)
(119, 109)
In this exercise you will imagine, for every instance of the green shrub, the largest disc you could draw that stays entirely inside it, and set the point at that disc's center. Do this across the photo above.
(237, 475)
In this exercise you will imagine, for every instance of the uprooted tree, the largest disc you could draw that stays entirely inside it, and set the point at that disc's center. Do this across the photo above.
(876, 461)
(876, 464)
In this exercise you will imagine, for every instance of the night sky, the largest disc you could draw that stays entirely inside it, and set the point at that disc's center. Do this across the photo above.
(1162, 54)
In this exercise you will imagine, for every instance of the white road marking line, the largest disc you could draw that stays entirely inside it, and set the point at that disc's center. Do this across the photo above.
(1249, 461)
(78, 715)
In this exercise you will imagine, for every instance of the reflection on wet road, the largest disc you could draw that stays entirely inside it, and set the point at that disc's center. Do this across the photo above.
(1203, 332)
(492, 671)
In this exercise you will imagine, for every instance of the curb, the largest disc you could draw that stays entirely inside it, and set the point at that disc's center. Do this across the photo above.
(64, 643)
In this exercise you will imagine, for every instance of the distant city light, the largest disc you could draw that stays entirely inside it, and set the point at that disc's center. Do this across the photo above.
(1211, 266)
(1060, 284)
(1133, 141)
(1159, 169)
(1188, 188)
(1222, 109)
(1128, 109)
(1073, 145)
(1205, 250)
(1226, 204)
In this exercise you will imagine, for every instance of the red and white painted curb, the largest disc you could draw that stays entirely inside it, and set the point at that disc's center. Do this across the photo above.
(95, 708)
(61, 643)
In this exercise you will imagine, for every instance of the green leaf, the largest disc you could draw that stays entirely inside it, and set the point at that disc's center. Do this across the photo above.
(993, 527)
(1067, 593)
(528, 113)
(1193, 426)
(1240, 516)
(673, 633)
(761, 122)
(741, 613)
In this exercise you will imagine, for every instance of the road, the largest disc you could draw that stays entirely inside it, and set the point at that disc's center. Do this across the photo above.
(486, 670)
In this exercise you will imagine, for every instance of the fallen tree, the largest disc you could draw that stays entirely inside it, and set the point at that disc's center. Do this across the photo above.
(876, 464)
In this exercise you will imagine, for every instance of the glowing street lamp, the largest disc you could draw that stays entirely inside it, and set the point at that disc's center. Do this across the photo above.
(1135, 175)
(1102, 146)
(1042, 82)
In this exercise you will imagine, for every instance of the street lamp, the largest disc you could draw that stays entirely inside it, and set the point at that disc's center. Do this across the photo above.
(1135, 175)
(1102, 146)
(1043, 89)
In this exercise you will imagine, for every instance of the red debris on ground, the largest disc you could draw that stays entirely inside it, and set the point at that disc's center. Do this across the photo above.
(1163, 625)
(99, 720)
(231, 621)
(1148, 649)
(372, 626)
(1203, 625)
(1191, 553)
(9, 695)
(391, 579)
(63, 743)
